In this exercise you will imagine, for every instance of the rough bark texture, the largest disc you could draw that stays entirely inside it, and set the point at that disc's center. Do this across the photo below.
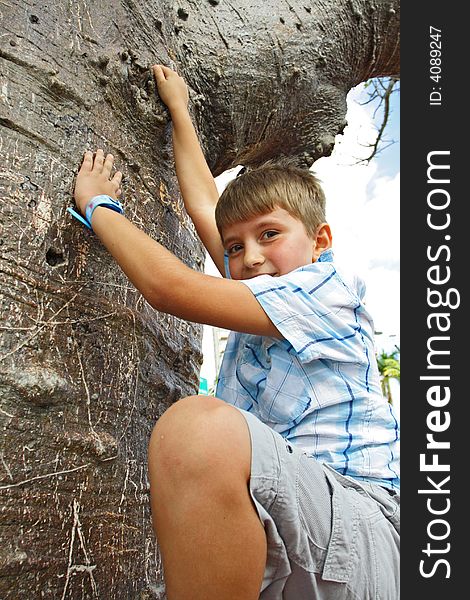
(86, 366)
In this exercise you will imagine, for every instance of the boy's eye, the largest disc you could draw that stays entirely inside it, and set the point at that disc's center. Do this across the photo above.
(234, 249)
(269, 234)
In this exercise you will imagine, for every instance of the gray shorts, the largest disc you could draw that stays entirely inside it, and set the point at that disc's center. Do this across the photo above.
(329, 537)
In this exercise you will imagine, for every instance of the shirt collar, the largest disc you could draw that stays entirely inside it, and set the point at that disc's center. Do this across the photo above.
(326, 256)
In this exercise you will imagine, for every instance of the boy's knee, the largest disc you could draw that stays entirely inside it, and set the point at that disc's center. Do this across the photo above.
(199, 435)
(184, 417)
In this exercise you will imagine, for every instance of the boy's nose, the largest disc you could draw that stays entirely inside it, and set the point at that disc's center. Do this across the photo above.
(253, 257)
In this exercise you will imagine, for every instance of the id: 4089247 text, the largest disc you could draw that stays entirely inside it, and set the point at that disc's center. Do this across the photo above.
(435, 65)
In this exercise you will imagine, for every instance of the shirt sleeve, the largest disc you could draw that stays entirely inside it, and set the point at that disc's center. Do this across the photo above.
(316, 312)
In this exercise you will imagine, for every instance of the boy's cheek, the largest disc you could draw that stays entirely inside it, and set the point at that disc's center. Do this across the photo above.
(235, 272)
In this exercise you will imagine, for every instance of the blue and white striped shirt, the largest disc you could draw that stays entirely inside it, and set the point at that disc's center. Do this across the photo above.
(318, 387)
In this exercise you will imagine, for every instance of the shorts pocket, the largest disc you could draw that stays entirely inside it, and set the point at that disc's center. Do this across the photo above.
(307, 546)
(314, 504)
(341, 554)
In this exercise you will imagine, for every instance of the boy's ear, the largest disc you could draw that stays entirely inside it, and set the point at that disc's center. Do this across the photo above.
(322, 241)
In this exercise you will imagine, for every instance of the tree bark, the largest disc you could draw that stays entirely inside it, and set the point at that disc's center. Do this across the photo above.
(86, 366)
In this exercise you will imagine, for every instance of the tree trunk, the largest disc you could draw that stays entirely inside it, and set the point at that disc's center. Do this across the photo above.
(86, 366)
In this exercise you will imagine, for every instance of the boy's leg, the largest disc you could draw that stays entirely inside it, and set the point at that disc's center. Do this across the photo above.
(212, 541)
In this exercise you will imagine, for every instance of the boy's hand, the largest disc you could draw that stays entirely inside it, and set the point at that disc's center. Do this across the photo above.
(94, 178)
(171, 87)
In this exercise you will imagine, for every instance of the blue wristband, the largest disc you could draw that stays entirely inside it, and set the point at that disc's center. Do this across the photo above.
(105, 201)
(101, 200)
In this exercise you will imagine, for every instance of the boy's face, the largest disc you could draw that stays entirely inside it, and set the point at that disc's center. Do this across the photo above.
(274, 243)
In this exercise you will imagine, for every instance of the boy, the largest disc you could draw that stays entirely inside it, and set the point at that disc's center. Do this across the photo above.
(286, 487)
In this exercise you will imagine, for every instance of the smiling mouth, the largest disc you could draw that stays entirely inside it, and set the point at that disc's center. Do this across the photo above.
(259, 275)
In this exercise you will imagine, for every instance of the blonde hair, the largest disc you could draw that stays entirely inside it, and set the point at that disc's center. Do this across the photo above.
(274, 184)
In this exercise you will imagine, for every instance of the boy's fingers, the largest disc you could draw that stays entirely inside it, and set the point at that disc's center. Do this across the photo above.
(167, 71)
(108, 165)
(116, 180)
(158, 73)
(87, 163)
(99, 159)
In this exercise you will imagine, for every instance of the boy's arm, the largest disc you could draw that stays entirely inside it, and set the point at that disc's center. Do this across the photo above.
(196, 183)
(165, 282)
